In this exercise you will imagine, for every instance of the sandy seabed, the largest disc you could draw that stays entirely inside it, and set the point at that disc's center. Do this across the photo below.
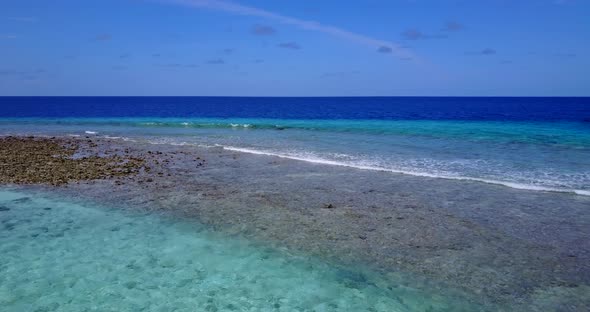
(490, 245)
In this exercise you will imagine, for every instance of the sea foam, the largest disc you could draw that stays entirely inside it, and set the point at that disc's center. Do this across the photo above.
(306, 157)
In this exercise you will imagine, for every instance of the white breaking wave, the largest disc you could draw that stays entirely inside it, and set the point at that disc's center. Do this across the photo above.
(125, 139)
(90, 132)
(240, 125)
(323, 161)
(318, 160)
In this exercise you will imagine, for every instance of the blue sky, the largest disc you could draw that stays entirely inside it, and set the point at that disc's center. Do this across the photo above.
(295, 48)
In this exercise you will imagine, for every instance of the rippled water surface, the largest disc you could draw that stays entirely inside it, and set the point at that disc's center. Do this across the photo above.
(536, 143)
(61, 256)
(534, 155)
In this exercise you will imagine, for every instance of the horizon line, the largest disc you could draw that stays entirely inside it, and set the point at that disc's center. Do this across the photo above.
(288, 96)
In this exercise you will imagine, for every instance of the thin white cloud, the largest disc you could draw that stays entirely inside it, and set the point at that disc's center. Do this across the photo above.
(2, 36)
(235, 8)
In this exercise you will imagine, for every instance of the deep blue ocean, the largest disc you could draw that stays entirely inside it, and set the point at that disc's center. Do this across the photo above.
(373, 108)
(530, 143)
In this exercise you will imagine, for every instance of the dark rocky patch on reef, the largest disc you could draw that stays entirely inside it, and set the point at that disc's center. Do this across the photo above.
(53, 161)
(22, 200)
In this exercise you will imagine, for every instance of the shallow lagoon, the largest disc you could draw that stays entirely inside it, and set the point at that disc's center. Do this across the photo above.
(57, 255)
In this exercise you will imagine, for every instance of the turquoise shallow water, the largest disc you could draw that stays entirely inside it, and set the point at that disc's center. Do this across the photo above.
(535, 155)
(565, 133)
(60, 256)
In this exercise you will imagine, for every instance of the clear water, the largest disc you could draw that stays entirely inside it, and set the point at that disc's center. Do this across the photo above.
(56, 255)
(534, 155)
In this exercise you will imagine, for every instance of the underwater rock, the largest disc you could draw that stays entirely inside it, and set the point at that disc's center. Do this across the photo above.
(22, 200)
(43, 229)
(130, 284)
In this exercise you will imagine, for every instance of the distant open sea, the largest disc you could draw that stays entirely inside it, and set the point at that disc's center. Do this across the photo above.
(528, 143)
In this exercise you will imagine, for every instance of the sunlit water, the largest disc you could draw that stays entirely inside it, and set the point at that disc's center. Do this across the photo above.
(534, 155)
(59, 256)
